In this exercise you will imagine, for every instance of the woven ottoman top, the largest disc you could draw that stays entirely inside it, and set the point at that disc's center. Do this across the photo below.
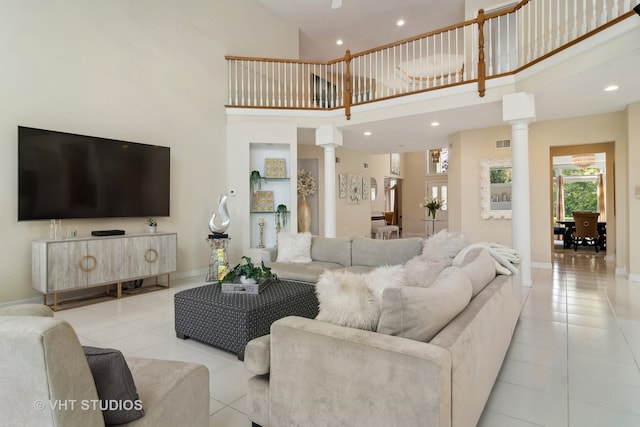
(276, 292)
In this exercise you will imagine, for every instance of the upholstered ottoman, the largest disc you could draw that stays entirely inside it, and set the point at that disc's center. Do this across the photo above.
(230, 321)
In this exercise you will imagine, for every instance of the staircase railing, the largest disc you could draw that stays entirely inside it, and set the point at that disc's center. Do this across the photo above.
(491, 45)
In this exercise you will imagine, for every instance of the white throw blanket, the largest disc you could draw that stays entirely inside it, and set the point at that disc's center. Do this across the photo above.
(505, 256)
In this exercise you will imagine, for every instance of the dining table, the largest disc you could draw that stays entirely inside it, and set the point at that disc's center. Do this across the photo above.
(570, 228)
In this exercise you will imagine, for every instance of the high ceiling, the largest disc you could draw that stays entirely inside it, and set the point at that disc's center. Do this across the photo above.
(365, 24)
(361, 24)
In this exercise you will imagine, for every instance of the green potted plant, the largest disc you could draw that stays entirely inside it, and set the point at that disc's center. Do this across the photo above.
(282, 215)
(248, 273)
(255, 179)
(152, 224)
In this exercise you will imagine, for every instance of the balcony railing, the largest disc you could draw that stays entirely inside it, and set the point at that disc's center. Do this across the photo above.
(489, 46)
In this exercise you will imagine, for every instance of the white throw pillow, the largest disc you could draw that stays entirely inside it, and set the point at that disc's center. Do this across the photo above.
(353, 299)
(294, 247)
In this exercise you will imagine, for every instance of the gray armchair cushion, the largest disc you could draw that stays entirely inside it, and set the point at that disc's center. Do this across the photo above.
(117, 392)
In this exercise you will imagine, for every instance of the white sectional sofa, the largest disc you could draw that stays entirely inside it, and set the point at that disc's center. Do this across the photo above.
(421, 367)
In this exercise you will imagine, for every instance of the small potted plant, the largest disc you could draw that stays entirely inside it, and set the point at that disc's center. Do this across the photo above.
(152, 224)
(255, 179)
(248, 273)
(282, 215)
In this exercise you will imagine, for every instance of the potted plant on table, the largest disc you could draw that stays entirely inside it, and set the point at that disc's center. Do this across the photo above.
(152, 224)
(248, 273)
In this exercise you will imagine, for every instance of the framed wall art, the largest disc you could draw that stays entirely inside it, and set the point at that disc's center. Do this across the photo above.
(274, 168)
(395, 163)
(342, 186)
(365, 188)
(354, 188)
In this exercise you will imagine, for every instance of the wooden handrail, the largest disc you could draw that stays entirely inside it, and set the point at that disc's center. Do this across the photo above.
(482, 67)
(347, 85)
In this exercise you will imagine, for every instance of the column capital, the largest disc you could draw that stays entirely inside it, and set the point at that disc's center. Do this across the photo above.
(518, 108)
(328, 135)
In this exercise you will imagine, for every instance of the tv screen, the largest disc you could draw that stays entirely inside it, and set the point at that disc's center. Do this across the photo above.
(63, 175)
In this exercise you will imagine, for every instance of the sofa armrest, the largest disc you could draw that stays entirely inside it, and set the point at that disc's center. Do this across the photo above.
(323, 374)
(269, 254)
(256, 355)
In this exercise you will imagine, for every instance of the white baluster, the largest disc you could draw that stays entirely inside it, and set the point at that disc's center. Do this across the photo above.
(604, 18)
(583, 28)
(627, 6)
(614, 10)
(229, 84)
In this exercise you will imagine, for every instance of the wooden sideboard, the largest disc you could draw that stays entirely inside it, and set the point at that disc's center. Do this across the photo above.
(81, 263)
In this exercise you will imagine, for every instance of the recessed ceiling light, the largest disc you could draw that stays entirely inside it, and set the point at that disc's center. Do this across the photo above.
(338, 42)
(434, 124)
(367, 133)
(400, 22)
(611, 88)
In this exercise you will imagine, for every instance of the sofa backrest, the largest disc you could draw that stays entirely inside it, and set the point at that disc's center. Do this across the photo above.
(374, 253)
(45, 366)
(332, 249)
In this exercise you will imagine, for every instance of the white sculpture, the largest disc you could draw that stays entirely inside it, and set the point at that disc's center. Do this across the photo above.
(219, 227)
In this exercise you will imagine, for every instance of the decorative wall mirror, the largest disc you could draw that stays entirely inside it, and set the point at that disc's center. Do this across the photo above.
(374, 189)
(495, 188)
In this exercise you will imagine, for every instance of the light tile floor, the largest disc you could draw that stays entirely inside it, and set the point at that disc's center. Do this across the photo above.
(573, 360)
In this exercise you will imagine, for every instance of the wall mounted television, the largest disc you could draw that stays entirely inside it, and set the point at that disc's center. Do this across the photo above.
(64, 175)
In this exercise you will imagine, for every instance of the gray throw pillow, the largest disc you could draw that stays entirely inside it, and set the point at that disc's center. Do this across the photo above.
(117, 392)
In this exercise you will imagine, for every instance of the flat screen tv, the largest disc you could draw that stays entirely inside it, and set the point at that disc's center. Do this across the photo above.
(63, 175)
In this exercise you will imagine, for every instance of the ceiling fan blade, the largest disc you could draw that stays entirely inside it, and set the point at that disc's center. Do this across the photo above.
(336, 4)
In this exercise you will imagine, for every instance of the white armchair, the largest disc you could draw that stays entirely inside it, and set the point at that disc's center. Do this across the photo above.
(46, 376)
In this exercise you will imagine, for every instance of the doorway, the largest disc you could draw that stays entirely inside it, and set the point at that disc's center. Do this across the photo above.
(393, 202)
(582, 179)
(436, 189)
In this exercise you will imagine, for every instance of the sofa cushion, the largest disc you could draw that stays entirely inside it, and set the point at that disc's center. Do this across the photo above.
(479, 266)
(420, 313)
(352, 299)
(308, 272)
(424, 269)
(331, 249)
(114, 383)
(374, 253)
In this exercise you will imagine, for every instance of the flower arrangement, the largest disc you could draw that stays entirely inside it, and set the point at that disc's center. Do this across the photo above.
(306, 183)
(432, 205)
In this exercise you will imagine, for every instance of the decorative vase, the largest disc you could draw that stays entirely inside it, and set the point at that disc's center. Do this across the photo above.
(152, 228)
(224, 219)
(432, 213)
(304, 215)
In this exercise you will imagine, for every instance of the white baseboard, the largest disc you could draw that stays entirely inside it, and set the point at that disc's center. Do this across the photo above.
(542, 265)
(622, 272)
(634, 277)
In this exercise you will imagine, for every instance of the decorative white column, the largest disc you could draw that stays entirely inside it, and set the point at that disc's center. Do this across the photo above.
(329, 137)
(518, 109)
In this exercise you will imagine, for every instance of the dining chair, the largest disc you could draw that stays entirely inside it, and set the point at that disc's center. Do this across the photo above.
(586, 232)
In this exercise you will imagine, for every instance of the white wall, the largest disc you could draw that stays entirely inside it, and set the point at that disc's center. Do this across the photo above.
(469, 147)
(146, 71)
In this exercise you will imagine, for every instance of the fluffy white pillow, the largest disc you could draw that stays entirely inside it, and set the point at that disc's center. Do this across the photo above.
(448, 244)
(353, 299)
(423, 270)
(294, 247)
